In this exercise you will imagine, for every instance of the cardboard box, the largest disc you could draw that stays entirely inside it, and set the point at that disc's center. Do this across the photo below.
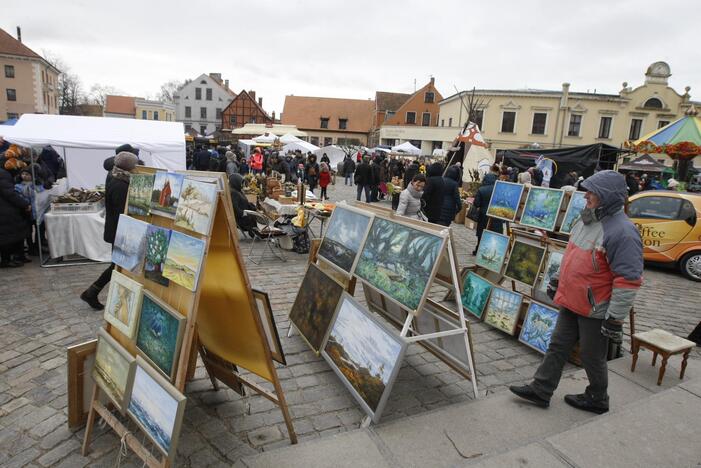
(460, 217)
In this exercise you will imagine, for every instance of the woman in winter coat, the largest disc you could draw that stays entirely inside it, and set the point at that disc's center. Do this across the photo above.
(324, 180)
(15, 213)
(311, 172)
(433, 193)
(451, 196)
(245, 222)
(257, 161)
(232, 166)
(482, 197)
(410, 198)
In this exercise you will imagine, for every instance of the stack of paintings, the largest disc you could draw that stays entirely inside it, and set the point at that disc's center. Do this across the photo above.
(538, 326)
(505, 200)
(524, 263)
(503, 310)
(542, 208)
(344, 236)
(492, 251)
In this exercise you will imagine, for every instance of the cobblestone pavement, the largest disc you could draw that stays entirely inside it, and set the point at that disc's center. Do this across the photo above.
(41, 314)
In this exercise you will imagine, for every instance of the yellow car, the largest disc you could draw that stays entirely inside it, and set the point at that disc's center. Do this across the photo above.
(670, 227)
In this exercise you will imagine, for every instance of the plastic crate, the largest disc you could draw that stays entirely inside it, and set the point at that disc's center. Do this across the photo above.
(67, 208)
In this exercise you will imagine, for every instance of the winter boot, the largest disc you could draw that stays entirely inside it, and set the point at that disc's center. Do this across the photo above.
(527, 393)
(90, 296)
(584, 402)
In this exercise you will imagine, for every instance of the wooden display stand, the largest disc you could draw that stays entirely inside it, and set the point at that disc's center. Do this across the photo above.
(203, 307)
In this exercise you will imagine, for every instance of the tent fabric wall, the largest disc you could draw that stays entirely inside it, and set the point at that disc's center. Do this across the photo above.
(335, 154)
(303, 146)
(407, 147)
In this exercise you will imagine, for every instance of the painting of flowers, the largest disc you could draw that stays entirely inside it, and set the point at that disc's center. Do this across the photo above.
(505, 200)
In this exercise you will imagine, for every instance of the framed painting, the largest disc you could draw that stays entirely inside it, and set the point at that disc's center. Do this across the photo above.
(184, 260)
(492, 251)
(503, 309)
(505, 200)
(140, 189)
(524, 262)
(538, 326)
(157, 240)
(574, 208)
(400, 261)
(314, 306)
(347, 229)
(80, 360)
(267, 319)
(475, 293)
(129, 244)
(365, 354)
(113, 370)
(123, 303)
(157, 407)
(551, 268)
(166, 193)
(542, 208)
(196, 206)
(160, 334)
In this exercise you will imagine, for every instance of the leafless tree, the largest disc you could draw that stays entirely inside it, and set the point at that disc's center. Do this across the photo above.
(98, 93)
(70, 88)
(169, 89)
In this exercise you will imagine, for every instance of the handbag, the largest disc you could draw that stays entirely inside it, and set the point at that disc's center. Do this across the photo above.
(473, 213)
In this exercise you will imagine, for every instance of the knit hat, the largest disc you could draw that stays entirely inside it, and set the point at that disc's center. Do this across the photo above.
(126, 160)
(126, 147)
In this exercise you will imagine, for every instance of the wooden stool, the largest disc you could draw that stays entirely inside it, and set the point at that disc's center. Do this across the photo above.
(663, 343)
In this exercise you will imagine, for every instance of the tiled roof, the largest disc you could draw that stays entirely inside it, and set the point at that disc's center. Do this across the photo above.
(386, 101)
(119, 105)
(305, 112)
(11, 46)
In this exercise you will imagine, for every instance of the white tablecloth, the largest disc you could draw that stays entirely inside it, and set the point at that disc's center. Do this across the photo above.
(281, 209)
(77, 233)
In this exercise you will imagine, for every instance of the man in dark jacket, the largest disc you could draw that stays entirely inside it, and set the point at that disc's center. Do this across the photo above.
(15, 213)
(311, 172)
(482, 197)
(375, 179)
(632, 183)
(348, 170)
(52, 160)
(410, 172)
(241, 203)
(434, 193)
(108, 163)
(451, 196)
(200, 160)
(116, 193)
(362, 179)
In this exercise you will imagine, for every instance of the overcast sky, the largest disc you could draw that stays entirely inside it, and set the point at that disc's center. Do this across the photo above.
(352, 49)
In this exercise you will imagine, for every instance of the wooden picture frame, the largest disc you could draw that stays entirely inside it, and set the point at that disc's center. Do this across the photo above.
(111, 345)
(494, 212)
(527, 209)
(80, 359)
(509, 270)
(502, 296)
(120, 280)
(501, 244)
(267, 319)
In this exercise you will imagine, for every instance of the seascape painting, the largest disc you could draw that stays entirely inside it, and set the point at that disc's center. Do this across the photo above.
(166, 192)
(506, 197)
(399, 261)
(157, 239)
(159, 334)
(475, 294)
(343, 237)
(538, 326)
(196, 206)
(552, 267)
(542, 208)
(492, 251)
(314, 306)
(113, 369)
(140, 189)
(184, 260)
(123, 303)
(157, 407)
(364, 353)
(574, 208)
(524, 262)
(503, 310)
(129, 243)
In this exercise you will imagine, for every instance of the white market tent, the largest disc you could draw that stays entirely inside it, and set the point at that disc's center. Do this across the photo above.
(301, 145)
(335, 154)
(265, 138)
(290, 138)
(407, 147)
(85, 142)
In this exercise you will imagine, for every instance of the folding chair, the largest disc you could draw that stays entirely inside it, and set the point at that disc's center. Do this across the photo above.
(270, 235)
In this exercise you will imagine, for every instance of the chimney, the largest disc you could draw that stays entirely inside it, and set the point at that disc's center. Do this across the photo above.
(564, 101)
(433, 80)
(252, 94)
(273, 116)
(19, 34)
(260, 101)
(226, 84)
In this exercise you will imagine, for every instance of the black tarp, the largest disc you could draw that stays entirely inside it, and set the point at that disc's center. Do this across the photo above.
(583, 159)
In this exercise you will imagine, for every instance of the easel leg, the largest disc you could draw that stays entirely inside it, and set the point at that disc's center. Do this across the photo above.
(291, 330)
(365, 423)
(285, 410)
(91, 422)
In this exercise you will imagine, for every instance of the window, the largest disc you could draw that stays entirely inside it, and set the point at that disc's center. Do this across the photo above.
(203, 129)
(342, 124)
(188, 112)
(10, 71)
(442, 122)
(437, 145)
(209, 94)
(198, 93)
(450, 121)
(203, 112)
(478, 118)
(508, 122)
(636, 126)
(426, 119)
(324, 122)
(539, 121)
(328, 141)
(605, 127)
(11, 94)
(203, 82)
(653, 103)
(411, 117)
(155, 115)
(389, 114)
(429, 96)
(314, 141)
(218, 113)
(188, 127)
(575, 125)
(662, 123)
(143, 115)
(655, 208)
(232, 119)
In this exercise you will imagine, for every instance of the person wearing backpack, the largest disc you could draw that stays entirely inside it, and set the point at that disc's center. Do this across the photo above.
(311, 172)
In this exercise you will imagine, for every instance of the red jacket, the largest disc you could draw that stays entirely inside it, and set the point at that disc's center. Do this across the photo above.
(324, 179)
(257, 161)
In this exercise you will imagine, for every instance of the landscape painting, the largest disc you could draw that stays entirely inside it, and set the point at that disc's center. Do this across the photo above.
(129, 244)
(166, 192)
(365, 354)
(157, 239)
(159, 334)
(196, 206)
(506, 197)
(346, 231)
(313, 309)
(399, 260)
(574, 208)
(157, 408)
(524, 262)
(123, 303)
(542, 208)
(503, 310)
(140, 189)
(475, 294)
(552, 267)
(492, 251)
(184, 260)
(113, 369)
(538, 326)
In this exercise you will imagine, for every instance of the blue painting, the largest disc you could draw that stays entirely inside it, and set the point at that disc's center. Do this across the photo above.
(503, 310)
(492, 251)
(129, 243)
(505, 200)
(575, 207)
(159, 334)
(542, 208)
(538, 326)
(475, 293)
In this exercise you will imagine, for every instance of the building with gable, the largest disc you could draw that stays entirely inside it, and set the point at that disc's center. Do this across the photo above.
(245, 109)
(199, 103)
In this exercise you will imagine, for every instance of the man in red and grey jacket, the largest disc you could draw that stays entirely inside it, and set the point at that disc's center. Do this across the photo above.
(599, 277)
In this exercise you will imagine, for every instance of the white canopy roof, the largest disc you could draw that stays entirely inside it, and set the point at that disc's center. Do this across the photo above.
(265, 138)
(290, 138)
(335, 154)
(276, 129)
(407, 147)
(85, 142)
(301, 145)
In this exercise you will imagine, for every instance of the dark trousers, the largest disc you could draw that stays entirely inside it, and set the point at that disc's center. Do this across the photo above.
(323, 193)
(593, 349)
(373, 193)
(7, 251)
(347, 179)
(104, 278)
(366, 189)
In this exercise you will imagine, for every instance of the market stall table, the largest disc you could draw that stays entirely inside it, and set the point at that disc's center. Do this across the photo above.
(77, 233)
